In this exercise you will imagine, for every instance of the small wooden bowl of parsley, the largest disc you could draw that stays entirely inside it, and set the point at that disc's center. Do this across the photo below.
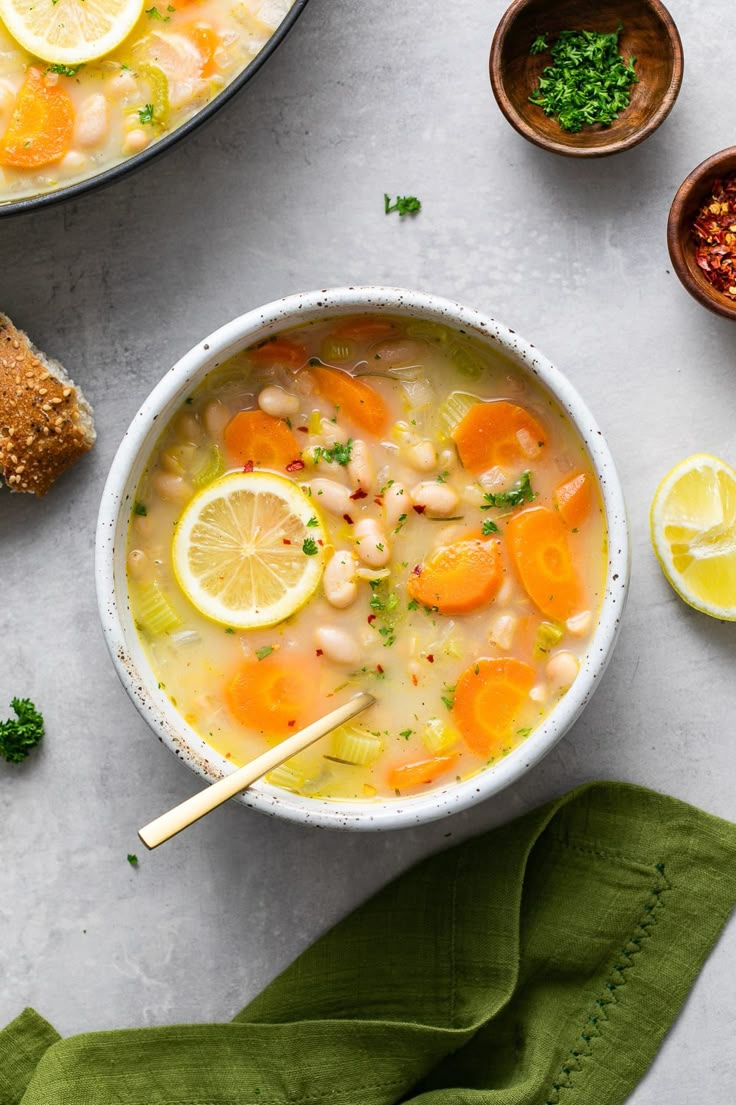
(586, 78)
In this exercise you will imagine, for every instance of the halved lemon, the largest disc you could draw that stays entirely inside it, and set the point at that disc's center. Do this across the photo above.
(249, 550)
(693, 524)
(69, 32)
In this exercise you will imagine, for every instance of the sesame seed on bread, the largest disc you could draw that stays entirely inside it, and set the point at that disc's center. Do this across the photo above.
(45, 422)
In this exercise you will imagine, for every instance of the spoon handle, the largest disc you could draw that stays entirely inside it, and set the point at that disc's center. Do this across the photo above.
(185, 814)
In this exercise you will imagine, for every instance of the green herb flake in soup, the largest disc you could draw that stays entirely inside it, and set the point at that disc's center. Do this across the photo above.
(68, 112)
(410, 514)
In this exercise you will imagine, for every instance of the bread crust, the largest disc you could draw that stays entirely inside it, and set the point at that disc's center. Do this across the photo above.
(45, 422)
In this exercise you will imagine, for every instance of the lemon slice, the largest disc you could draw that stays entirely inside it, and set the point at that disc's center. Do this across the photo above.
(693, 522)
(68, 32)
(249, 550)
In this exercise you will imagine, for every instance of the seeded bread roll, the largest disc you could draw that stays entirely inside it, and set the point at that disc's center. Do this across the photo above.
(45, 421)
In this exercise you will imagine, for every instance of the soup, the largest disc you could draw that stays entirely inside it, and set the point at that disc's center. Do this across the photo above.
(368, 503)
(63, 122)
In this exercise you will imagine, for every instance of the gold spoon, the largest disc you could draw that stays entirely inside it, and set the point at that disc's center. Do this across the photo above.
(185, 814)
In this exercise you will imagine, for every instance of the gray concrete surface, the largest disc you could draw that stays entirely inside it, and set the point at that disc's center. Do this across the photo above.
(284, 192)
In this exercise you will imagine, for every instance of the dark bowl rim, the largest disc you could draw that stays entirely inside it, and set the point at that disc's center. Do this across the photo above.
(137, 161)
(668, 100)
(695, 183)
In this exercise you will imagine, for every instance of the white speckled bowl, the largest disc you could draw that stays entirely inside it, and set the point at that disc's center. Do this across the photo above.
(136, 447)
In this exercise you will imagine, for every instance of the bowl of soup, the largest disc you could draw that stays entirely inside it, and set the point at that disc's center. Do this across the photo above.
(363, 489)
(68, 126)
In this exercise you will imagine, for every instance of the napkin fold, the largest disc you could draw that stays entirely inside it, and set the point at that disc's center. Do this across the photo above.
(539, 964)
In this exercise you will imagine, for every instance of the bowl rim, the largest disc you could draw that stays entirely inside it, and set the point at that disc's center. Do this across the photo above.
(618, 145)
(9, 208)
(697, 182)
(137, 677)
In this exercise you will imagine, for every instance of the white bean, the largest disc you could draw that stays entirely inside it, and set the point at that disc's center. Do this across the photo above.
(92, 121)
(562, 669)
(278, 403)
(332, 433)
(337, 644)
(216, 418)
(371, 544)
(136, 140)
(539, 693)
(188, 429)
(579, 624)
(473, 494)
(333, 496)
(139, 566)
(503, 630)
(338, 582)
(422, 456)
(121, 84)
(395, 503)
(368, 527)
(447, 459)
(438, 500)
(360, 467)
(72, 162)
(505, 592)
(170, 487)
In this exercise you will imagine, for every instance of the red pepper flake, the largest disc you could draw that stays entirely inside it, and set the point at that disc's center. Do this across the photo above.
(378, 500)
(348, 519)
(285, 541)
(714, 234)
(228, 755)
(371, 618)
(248, 466)
(319, 652)
(414, 680)
(320, 541)
(379, 669)
(419, 509)
(302, 429)
(295, 466)
(416, 570)
(430, 658)
(359, 494)
(291, 724)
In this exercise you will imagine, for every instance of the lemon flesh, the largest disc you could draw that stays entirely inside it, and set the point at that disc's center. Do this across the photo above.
(69, 32)
(249, 550)
(693, 526)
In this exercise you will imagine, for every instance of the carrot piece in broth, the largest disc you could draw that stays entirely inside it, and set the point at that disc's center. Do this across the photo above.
(366, 329)
(458, 578)
(276, 695)
(539, 551)
(489, 698)
(259, 438)
(207, 41)
(420, 772)
(358, 401)
(573, 499)
(41, 126)
(280, 351)
(497, 433)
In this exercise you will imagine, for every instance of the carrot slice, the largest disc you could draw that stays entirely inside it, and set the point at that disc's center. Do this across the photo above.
(358, 401)
(276, 696)
(279, 351)
(254, 437)
(497, 433)
(458, 578)
(366, 329)
(489, 697)
(420, 772)
(207, 41)
(538, 548)
(41, 126)
(573, 499)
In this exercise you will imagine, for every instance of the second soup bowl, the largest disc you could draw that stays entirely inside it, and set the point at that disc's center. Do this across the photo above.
(428, 315)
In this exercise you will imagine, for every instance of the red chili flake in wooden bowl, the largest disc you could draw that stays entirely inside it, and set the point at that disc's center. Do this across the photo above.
(714, 235)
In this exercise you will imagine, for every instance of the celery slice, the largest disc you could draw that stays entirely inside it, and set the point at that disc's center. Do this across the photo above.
(455, 407)
(337, 350)
(424, 330)
(548, 635)
(437, 737)
(159, 91)
(287, 776)
(211, 468)
(354, 745)
(154, 612)
(466, 361)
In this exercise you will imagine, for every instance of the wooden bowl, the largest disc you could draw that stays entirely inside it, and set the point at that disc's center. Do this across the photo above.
(691, 195)
(649, 33)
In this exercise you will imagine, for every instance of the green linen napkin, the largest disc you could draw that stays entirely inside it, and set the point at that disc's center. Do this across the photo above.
(539, 964)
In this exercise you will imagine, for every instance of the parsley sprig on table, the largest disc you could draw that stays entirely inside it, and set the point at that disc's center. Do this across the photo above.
(405, 205)
(20, 734)
(588, 82)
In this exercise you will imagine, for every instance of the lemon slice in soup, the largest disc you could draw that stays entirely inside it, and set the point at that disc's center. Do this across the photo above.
(249, 550)
(693, 522)
(69, 32)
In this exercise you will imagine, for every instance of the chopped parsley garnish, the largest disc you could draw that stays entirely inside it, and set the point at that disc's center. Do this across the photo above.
(488, 527)
(449, 698)
(337, 454)
(309, 547)
(520, 493)
(132, 859)
(22, 733)
(313, 521)
(523, 732)
(442, 478)
(64, 70)
(405, 205)
(154, 13)
(400, 523)
(262, 653)
(140, 509)
(406, 733)
(145, 114)
(229, 629)
(588, 81)
(412, 605)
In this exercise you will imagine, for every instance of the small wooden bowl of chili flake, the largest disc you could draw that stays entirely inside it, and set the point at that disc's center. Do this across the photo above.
(586, 78)
(701, 233)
